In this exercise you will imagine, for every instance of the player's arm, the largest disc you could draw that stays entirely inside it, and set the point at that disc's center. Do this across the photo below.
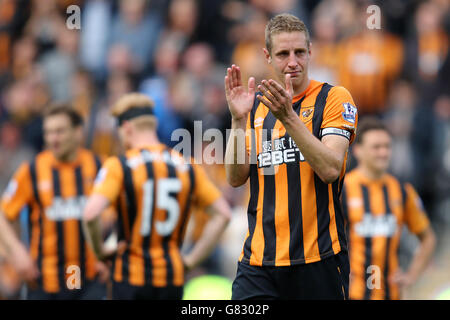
(16, 196)
(220, 217)
(92, 227)
(207, 196)
(240, 102)
(417, 223)
(422, 256)
(325, 156)
(16, 253)
(106, 189)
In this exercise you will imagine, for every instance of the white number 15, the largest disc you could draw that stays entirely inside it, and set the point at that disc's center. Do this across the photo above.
(165, 201)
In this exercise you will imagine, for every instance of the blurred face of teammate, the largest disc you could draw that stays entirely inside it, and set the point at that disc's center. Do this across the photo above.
(61, 137)
(374, 151)
(290, 55)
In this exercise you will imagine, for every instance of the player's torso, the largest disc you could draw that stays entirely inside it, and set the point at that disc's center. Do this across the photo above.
(375, 215)
(287, 197)
(274, 146)
(153, 210)
(63, 188)
(56, 237)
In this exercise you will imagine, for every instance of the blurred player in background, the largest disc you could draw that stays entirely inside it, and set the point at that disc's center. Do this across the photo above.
(154, 188)
(54, 185)
(377, 205)
(302, 128)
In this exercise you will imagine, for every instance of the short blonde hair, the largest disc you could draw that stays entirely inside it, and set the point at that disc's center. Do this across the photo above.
(284, 22)
(139, 101)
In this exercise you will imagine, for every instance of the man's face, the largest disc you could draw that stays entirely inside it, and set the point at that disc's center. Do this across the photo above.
(375, 150)
(61, 138)
(290, 55)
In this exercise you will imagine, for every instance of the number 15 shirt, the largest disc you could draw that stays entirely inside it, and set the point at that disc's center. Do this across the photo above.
(154, 188)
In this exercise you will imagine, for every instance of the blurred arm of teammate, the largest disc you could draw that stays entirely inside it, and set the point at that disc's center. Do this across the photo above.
(418, 223)
(240, 103)
(92, 229)
(16, 252)
(421, 258)
(325, 156)
(212, 232)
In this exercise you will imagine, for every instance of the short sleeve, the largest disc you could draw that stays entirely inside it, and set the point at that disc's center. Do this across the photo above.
(340, 116)
(109, 179)
(18, 193)
(205, 192)
(415, 216)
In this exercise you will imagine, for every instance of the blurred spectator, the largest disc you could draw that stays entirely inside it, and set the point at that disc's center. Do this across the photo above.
(12, 18)
(44, 24)
(369, 62)
(133, 38)
(217, 17)
(182, 20)
(248, 52)
(324, 58)
(427, 47)
(167, 61)
(207, 77)
(399, 119)
(274, 7)
(102, 135)
(24, 56)
(94, 36)
(60, 64)
(13, 151)
(441, 158)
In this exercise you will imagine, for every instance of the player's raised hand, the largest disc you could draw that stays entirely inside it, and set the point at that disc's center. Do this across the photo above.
(277, 98)
(240, 99)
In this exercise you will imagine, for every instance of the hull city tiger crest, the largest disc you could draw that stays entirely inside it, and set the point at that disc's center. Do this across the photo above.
(307, 113)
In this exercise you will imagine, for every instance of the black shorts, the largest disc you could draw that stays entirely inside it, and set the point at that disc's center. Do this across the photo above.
(326, 279)
(125, 291)
(92, 290)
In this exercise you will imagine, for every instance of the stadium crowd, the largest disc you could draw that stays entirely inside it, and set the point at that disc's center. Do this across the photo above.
(176, 52)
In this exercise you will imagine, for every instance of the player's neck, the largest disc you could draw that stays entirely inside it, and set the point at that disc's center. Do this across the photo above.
(301, 87)
(144, 138)
(68, 157)
(370, 173)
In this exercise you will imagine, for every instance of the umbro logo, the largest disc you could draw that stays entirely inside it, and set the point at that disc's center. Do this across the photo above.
(259, 122)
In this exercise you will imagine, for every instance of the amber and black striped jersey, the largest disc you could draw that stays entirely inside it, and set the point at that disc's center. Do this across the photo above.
(154, 188)
(294, 217)
(56, 193)
(376, 210)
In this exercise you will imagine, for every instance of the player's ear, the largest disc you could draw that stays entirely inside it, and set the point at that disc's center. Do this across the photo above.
(267, 55)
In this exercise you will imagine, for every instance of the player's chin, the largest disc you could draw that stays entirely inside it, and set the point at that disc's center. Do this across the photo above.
(297, 80)
(382, 166)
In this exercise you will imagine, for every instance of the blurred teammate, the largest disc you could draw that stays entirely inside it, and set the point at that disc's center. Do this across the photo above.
(154, 189)
(54, 186)
(377, 205)
(300, 130)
